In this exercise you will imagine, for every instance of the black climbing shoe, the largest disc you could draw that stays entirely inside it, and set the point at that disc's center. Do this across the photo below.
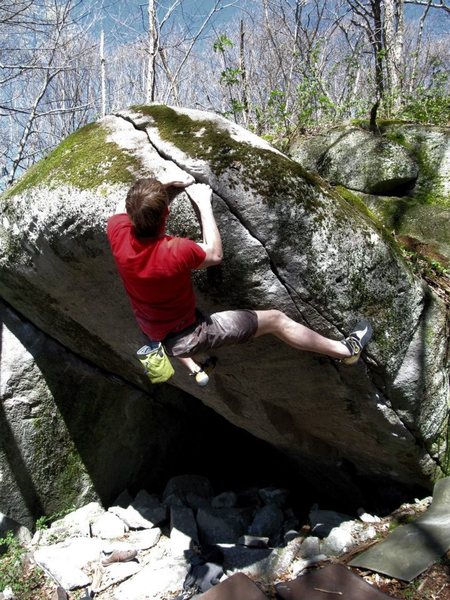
(355, 342)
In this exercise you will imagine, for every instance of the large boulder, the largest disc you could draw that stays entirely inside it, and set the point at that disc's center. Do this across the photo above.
(290, 242)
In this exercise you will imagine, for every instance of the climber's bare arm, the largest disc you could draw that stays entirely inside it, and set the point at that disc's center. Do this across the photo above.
(201, 196)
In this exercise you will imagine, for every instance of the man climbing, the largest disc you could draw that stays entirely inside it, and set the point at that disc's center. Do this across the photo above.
(156, 270)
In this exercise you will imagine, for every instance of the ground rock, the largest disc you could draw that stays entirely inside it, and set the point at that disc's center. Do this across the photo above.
(224, 500)
(105, 577)
(8, 594)
(194, 501)
(273, 495)
(185, 484)
(268, 521)
(23, 534)
(183, 530)
(254, 541)
(338, 541)
(131, 517)
(67, 561)
(310, 547)
(143, 539)
(222, 525)
(154, 582)
(323, 521)
(266, 565)
(75, 524)
(150, 507)
(108, 526)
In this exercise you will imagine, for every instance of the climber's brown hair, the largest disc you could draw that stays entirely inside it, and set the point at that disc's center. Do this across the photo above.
(146, 205)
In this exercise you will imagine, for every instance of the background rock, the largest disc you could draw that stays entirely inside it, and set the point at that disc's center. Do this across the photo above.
(359, 160)
(416, 202)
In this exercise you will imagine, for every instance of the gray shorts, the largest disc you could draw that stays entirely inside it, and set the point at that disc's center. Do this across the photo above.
(212, 331)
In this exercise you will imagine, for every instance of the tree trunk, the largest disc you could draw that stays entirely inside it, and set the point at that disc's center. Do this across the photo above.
(102, 73)
(152, 49)
(393, 35)
(244, 81)
(378, 48)
(373, 117)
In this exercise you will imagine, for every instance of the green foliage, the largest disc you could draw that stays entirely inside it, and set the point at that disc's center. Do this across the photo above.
(312, 102)
(23, 582)
(222, 43)
(423, 265)
(430, 104)
(230, 76)
(273, 120)
(44, 521)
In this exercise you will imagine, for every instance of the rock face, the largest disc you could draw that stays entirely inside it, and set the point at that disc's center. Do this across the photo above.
(291, 243)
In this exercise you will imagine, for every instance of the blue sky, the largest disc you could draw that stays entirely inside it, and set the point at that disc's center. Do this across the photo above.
(128, 18)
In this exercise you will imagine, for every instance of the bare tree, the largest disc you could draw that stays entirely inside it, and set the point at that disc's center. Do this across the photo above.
(41, 43)
(153, 40)
(393, 35)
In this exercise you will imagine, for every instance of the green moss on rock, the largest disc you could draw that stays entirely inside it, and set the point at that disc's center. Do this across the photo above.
(428, 188)
(67, 473)
(271, 174)
(85, 160)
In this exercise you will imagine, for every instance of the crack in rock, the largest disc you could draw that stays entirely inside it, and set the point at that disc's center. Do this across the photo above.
(288, 288)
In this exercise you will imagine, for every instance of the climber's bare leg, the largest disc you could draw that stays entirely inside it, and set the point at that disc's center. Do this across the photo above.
(190, 364)
(297, 335)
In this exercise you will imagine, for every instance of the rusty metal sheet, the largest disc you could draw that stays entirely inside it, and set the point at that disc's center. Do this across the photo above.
(411, 549)
(331, 582)
(236, 587)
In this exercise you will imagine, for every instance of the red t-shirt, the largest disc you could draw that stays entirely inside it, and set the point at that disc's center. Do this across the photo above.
(157, 276)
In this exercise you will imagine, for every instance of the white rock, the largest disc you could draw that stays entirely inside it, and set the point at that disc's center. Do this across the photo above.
(8, 594)
(134, 540)
(108, 526)
(156, 581)
(131, 517)
(183, 530)
(143, 540)
(339, 541)
(65, 561)
(113, 574)
(310, 547)
(76, 523)
(367, 518)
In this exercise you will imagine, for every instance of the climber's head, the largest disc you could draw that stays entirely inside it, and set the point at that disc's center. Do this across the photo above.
(147, 205)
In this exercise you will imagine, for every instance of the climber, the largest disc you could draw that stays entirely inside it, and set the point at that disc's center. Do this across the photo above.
(156, 272)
